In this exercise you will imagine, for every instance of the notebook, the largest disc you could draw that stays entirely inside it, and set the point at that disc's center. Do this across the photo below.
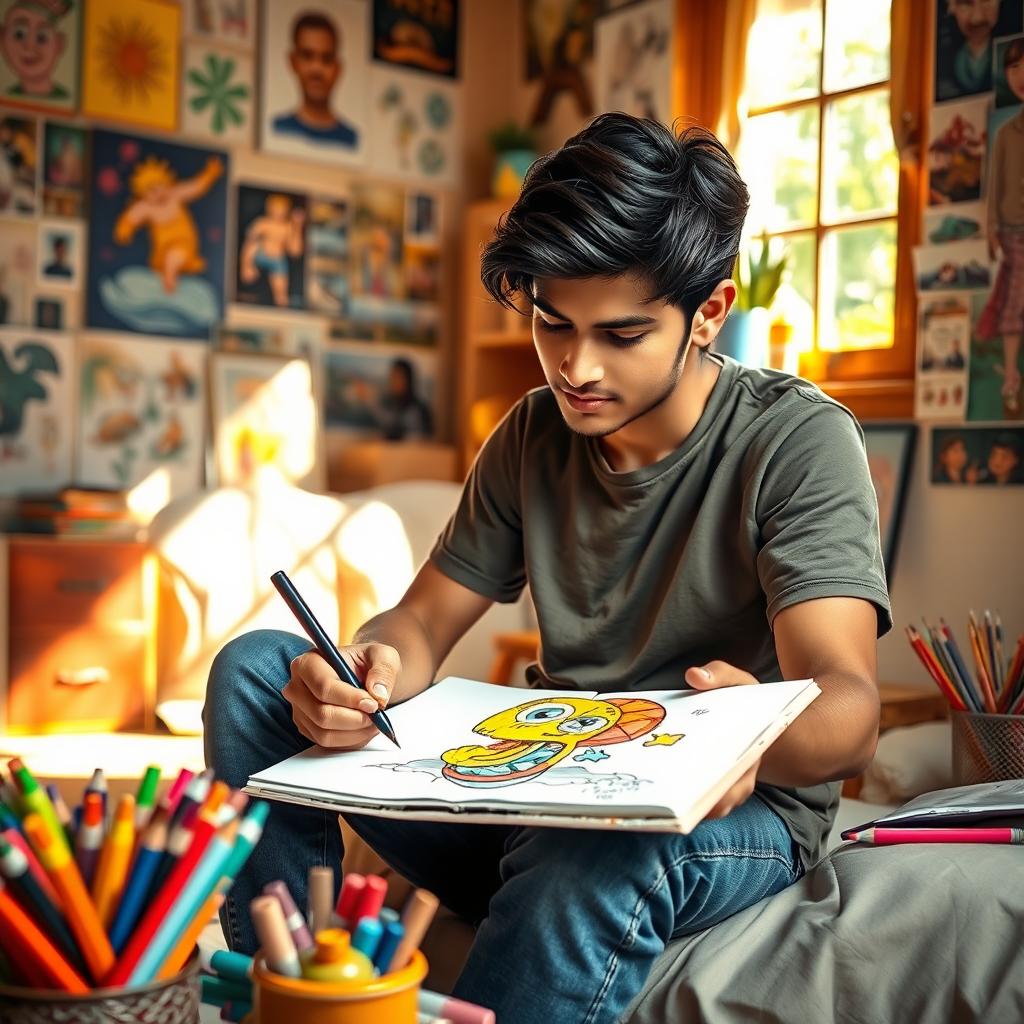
(476, 752)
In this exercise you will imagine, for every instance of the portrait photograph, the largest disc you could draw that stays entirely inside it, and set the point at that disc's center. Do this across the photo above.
(65, 156)
(60, 253)
(964, 34)
(313, 69)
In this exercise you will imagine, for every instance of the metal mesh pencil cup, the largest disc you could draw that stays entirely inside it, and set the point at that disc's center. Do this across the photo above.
(987, 748)
(173, 1001)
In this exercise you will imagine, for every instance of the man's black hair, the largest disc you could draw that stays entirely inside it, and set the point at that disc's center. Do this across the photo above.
(625, 195)
(317, 22)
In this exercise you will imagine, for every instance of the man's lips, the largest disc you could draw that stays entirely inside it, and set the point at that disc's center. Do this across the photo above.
(585, 402)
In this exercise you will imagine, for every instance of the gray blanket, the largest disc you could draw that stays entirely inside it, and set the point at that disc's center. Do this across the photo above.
(871, 935)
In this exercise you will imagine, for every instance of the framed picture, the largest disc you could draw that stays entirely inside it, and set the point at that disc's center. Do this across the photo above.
(264, 412)
(130, 64)
(420, 36)
(39, 53)
(65, 154)
(964, 34)
(227, 23)
(270, 247)
(217, 95)
(890, 449)
(59, 253)
(19, 138)
(17, 270)
(978, 456)
(156, 236)
(57, 311)
(36, 396)
(313, 73)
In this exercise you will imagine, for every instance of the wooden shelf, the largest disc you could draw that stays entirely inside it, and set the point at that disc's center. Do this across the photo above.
(504, 339)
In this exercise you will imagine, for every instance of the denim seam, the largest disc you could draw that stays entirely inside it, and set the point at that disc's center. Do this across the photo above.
(634, 919)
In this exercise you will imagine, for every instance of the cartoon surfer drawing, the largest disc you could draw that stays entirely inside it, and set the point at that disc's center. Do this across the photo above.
(533, 737)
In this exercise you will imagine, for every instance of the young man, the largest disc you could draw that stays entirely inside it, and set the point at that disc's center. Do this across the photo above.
(681, 521)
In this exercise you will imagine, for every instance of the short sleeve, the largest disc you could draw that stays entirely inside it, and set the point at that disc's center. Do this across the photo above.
(481, 547)
(818, 517)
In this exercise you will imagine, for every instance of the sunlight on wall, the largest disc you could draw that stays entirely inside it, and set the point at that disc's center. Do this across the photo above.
(149, 495)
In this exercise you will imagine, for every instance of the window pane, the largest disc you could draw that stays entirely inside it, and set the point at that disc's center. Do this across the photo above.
(858, 278)
(783, 52)
(861, 169)
(779, 155)
(794, 302)
(856, 43)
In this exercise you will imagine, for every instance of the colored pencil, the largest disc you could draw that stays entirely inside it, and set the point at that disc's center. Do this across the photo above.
(981, 663)
(929, 662)
(89, 839)
(62, 812)
(98, 784)
(885, 836)
(954, 649)
(112, 867)
(145, 797)
(17, 838)
(173, 795)
(187, 942)
(78, 908)
(144, 867)
(35, 800)
(25, 943)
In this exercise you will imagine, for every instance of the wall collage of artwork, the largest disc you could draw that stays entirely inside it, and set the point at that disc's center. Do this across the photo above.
(159, 310)
(970, 270)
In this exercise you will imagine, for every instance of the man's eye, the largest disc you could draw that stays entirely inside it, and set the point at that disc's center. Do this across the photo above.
(625, 340)
(554, 327)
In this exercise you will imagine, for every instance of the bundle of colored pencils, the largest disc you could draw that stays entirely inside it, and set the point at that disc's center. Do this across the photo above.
(90, 899)
(997, 685)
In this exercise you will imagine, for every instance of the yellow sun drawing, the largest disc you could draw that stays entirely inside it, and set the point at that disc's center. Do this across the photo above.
(132, 58)
(131, 66)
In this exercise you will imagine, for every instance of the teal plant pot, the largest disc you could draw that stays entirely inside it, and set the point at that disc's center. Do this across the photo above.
(744, 337)
(510, 167)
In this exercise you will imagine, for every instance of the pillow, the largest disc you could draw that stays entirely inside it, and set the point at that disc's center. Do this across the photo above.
(910, 760)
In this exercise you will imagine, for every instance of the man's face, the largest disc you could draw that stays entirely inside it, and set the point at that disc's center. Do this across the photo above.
(608, 355)
(315, 63)
(31, 43)
(1015, 78)
(976, 19)
(1002, 461)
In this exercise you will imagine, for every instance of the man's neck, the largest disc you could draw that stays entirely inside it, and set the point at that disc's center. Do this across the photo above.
(662, 430)
(317, 115)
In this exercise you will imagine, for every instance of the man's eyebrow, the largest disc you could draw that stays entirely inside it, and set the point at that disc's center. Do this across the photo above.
(631, 320)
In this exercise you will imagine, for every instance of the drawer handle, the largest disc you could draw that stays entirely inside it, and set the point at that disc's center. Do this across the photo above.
(81, 586)
(83, 676)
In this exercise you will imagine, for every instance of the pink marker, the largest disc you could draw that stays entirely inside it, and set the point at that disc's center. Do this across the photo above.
(455, 1010)
(352, 887)
(371, 900)
(890, 836)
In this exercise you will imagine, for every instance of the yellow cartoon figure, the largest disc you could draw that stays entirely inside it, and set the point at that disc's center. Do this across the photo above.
(536, 736)
(161, 203)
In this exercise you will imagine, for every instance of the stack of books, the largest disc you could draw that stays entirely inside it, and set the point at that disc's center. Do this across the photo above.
(74, 512)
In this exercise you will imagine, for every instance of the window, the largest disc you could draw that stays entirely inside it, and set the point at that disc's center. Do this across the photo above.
(818, 154)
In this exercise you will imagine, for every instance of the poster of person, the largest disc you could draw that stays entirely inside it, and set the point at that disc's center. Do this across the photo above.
(953, 266)
(36, 394)
(956, 151)
(18, 159)
(270, 260)
(415, 126)
(131, 64)
(141, 410)
(1006, 70)
(313, 70)
(977, 456)
(986, 400)
(328, 261)
(156, 236)
(420, 35)
(217, 95)
(64, 162)
(559, 43)
(264, 413)
(375, 393)
(943, 355)
(39, 53)
(17, 271)
(60, 253)
(221, 22)
(955, 222)
(1002, 319)
(633, 60)
(964, 32)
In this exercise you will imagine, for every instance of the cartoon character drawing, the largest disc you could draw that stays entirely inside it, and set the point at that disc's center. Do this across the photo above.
(269, 241)
(161, 203)
(533, 737)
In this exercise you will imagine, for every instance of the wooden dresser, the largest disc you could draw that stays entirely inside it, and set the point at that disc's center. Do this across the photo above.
(81, 635)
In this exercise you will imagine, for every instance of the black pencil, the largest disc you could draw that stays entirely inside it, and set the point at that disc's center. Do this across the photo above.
(325, 645)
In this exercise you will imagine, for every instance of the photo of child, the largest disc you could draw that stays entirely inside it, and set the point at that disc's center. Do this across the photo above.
(977, 456)
(271, 247)
(964, 32)
(1003, 316)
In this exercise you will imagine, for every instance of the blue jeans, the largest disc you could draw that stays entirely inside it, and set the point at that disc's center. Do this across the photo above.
(569, 921)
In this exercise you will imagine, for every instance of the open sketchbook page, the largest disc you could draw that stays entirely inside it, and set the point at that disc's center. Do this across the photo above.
(474, 746)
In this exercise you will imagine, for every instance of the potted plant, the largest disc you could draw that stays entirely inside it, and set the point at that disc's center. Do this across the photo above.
(514, 151)
(744, 335)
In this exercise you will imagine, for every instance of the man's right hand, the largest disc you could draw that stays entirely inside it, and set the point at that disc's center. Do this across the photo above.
(333, 713)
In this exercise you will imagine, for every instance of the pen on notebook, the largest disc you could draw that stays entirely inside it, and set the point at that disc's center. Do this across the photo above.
(325, 645)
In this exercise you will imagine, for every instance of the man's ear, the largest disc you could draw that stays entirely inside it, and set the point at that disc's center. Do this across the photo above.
(708, 320)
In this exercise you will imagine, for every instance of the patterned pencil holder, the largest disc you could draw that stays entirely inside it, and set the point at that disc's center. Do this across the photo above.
(173, 1001)
(987, 748)
(389, 999)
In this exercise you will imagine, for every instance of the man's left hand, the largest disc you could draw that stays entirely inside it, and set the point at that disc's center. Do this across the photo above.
(713, 676)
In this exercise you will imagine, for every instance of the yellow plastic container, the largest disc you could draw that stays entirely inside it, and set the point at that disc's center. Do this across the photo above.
(390, 999)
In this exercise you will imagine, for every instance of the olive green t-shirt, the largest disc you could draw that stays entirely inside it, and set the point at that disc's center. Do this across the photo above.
(636, 576)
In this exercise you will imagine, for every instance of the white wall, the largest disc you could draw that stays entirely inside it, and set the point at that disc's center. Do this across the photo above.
(960, 548)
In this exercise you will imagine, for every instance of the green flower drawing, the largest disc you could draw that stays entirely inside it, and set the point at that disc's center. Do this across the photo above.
(213, 89)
